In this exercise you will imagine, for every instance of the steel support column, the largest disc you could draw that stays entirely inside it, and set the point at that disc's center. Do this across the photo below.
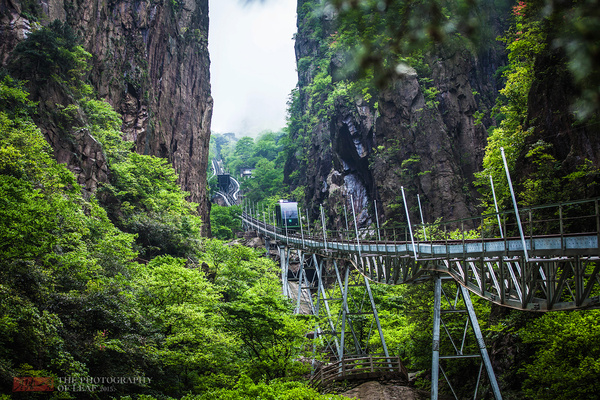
(283, 261)
(481, 343)
(435, 359)
(458, 346)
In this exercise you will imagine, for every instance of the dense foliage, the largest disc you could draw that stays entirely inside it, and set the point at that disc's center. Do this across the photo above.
(355, 48)
(263, 155)
(122, 285)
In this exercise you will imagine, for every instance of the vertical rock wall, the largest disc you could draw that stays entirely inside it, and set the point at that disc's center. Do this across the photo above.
(431, 146)
(151, 63)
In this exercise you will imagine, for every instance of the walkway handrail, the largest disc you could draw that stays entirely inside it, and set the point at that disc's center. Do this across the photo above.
(561, 271)
(357, 367)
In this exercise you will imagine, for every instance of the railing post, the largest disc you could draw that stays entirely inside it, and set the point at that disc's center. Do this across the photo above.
(324, 231)
(355, 226)
(531, 231)
(435, 358)
(514, 199)
(301, 228)
(482, 242)
(496, 205)
(422, 220)
(412, 239)
(377, 218)
(597, 221)
(346, 216)
(462, 229)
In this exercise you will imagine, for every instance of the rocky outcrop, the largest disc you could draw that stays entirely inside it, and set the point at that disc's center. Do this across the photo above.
(150, 62)
(426, 133)
(573, 144)
(416, 151)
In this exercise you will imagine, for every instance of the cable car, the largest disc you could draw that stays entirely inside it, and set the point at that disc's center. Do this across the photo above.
(223, 181)
(286, 214)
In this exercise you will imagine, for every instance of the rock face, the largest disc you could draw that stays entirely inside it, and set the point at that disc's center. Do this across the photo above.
(422, 133)
(573, 144)
(150, 62)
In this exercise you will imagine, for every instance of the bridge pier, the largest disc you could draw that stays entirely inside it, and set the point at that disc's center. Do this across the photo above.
(436, 367)
(338, 294)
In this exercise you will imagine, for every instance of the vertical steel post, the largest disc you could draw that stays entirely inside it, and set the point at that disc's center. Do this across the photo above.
(512, 193)
(301, 228)
(323, 225)
(265, 222)
(437, 315)
(412, 239)
(482, 349)
(422, 220)
(496, 205)
(377, 218)
(282, 262)
(346, 216)
(355, 225)
(597, 220)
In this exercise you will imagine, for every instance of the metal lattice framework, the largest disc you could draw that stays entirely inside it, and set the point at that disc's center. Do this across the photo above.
(537, 272)
(557, 271)
(338, 295)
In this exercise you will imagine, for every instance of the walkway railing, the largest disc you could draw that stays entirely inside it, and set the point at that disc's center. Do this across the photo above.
(358, 367)
(554, 265)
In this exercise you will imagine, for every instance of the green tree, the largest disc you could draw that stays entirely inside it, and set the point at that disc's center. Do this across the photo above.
(242, 155)
(144, 198)
(262, 320)
(566, 362)
(63, 265)
(225, 221)
(187, 338)
(51, 52)
(267, 180)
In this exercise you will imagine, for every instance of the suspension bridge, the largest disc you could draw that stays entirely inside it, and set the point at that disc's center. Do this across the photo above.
(543, 258)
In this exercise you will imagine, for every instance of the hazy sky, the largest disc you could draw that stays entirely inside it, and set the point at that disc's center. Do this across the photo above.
(253, 67)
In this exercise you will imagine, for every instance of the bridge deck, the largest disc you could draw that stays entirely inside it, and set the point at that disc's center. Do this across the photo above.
(543, 272)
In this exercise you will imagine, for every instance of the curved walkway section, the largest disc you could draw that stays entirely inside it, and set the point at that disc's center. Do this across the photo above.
(535, 272)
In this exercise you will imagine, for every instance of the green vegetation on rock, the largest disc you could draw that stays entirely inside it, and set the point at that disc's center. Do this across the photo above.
(122, 285)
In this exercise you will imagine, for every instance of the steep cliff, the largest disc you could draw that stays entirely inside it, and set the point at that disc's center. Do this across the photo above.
(150, 62)
(424, 129)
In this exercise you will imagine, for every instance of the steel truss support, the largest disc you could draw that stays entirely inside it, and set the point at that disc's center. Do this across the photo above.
(341, 299)
(458, 346)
